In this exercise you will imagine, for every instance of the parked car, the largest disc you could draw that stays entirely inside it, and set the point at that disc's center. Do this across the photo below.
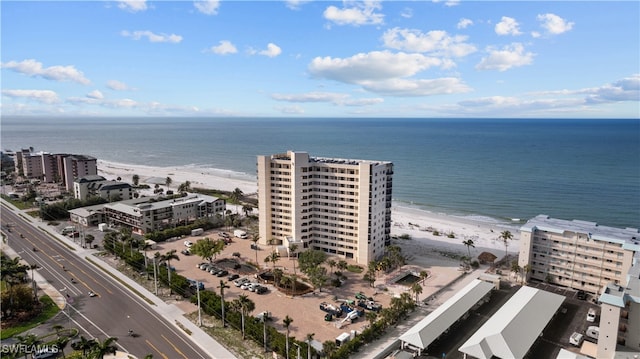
(240, 281)
(205, 266)
(361, 296)
(233, 277)
(254, 246)
(593, 332)
(222, 273)
(199, 265)
(263, 316)
(224, 235)
(591, 315)
(246, 285)
(582, 295)
(214, 270)
(331, 309)
(261, 289)
(370, 305)
(188, 244)
(576, 339)
(194, 283)
(186, 252)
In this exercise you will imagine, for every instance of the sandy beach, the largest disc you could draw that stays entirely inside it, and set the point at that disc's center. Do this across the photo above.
(418, 224)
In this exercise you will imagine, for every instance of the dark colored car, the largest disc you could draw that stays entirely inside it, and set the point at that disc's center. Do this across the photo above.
(233, 277)
(582, 295)
(222, 273)
(261, 290)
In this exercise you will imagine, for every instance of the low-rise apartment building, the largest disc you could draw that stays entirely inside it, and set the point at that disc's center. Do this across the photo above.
(98, 186)
(339, 206)
(577, 254)
(148, 214)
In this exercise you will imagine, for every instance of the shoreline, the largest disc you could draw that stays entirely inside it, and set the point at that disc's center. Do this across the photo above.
(414, 222)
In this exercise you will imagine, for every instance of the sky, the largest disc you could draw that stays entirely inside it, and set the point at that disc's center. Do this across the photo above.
(301, 58)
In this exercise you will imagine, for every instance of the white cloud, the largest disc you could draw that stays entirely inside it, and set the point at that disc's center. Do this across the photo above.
(95, 94)
(290, 110)
(132, 5)
(117, 85)
(417, 87)
(225, 47)
(510, 56)
(152, 37)
(355, 13)
(407, 13)
(437, 42)
(372, 66)
(43, 96)
(626, 89)
(464, 23)
(339, 99)
(507, 26)
(272, 50)
(208, 7)
(554, 24)
(34, 68)
(295, 4)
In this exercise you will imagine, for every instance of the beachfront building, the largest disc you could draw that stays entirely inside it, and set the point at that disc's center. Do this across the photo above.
(619, 335)
(55, 168)
(98, 186)
(148, 214)
(577, 254)
(339, 206)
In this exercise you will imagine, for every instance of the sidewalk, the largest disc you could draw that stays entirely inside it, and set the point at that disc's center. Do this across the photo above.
(169, 311)
(385, 345)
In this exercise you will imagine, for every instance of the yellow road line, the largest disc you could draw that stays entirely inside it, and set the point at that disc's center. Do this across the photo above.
(156, 349)
(174, 347)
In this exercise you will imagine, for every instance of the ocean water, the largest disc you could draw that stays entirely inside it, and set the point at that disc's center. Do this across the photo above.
(488, 169)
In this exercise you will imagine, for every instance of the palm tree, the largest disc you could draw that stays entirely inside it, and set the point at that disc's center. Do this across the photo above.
(247, 208)
(105, 347)
(287, 322)
(35, 288)
(145, 246)
(135, 179)
(469, 243)
(332, 264)
(342, 265)
(27, 341)
(329, 347)
(85, 345)
(309, 338)
(168, 182)
(61, 344)
(424, 275)
(416, 288)
(505, 236)
(526, 269)
(222, 286)
(277, 276)
(245, 306)
(167, 258)
(235, 197)
(255, 238)
(273, 258)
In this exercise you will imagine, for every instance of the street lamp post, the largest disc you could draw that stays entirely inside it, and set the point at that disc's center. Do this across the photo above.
(199, 309)
(298, 354)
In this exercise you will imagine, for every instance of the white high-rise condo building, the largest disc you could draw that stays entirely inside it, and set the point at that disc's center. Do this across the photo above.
(339, 206)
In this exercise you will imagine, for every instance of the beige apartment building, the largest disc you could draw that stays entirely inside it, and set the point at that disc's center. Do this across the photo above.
(577, 254)
(55, 168)
(339, 206)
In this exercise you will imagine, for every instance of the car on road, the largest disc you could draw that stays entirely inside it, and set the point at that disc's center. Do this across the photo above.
(576, 339)
(591, 315)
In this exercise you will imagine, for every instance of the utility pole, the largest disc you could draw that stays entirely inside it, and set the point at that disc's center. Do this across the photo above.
(155, 276)
(199, 309)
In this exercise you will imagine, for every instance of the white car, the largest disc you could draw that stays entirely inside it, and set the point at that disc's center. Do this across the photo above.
(240, 282)
(576, 339)
(188, 244)
(593, 332)
(591, 315)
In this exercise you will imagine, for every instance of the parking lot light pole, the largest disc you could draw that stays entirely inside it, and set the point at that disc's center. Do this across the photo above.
(199, 308)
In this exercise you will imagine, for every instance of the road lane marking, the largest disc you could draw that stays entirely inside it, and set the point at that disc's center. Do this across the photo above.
(156, 349)
(174, 347)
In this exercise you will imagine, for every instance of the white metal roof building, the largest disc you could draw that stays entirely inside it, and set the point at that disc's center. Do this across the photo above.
(513, 329)
(421, 335)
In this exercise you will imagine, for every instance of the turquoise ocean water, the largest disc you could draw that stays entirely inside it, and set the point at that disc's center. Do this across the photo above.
(488, 169)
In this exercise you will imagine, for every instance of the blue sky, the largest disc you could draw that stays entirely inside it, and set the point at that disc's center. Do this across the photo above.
(321, 58)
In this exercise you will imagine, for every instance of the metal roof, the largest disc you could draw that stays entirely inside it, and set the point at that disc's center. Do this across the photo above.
(437, 322)
(513, 329)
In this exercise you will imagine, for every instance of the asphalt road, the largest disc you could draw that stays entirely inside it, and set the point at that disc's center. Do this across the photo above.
(109, 314)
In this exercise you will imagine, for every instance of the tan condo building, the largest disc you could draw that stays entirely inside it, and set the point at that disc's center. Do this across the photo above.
(339, 206)
(577, 254)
